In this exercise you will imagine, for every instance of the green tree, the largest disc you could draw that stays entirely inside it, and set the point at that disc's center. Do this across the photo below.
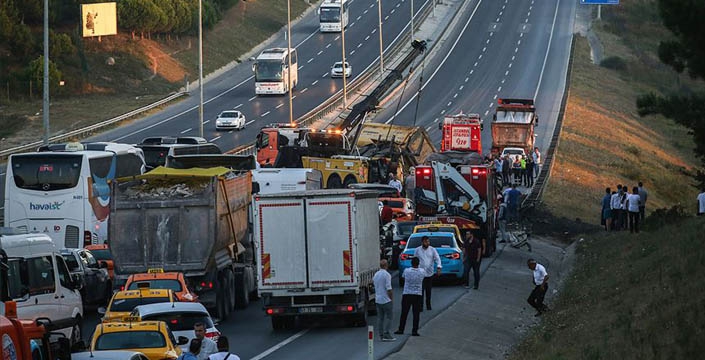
(182, 15)
(35, 72)
(167, 18)
(60, 44)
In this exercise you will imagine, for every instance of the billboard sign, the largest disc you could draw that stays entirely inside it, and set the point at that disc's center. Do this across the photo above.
(99, 19)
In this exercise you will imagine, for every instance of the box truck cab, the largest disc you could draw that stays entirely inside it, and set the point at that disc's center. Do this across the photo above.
(40, 283)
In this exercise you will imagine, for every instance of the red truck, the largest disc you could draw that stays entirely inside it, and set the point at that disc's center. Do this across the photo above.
(513, 125)
(462, 132)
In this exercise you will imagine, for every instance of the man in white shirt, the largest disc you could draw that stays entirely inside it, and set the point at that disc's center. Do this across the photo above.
(536, 156)
(208, 346)
(616, 207)
(394, 182)
(411, 296)
(540, 287)
(223, 350)
(383, 299)
(701, 203)
(428, 256)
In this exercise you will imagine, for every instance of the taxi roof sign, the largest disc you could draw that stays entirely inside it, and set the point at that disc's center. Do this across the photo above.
(131, 319)
(155, 271)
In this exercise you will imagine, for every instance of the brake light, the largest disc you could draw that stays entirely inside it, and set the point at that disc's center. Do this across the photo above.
(174, 322)
(122, 288)
(344, 308)
(475, 171)
(274, 311)
(213, 335)
(426, 171)
(404, 257)
(209, 284)
(453, 256)
(402, 242)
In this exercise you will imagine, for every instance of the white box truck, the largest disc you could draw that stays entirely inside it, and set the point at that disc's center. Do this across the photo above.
(317, 252)
(277, 180)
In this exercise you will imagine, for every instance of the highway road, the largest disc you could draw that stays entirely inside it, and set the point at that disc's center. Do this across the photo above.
(501, 48)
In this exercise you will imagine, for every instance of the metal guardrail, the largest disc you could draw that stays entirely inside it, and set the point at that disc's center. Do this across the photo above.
(91, 128)
(537, 191)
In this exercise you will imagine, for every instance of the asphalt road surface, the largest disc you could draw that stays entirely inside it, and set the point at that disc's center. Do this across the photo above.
(512, 48)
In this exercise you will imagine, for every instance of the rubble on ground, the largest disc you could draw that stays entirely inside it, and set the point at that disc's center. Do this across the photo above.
(164, 191)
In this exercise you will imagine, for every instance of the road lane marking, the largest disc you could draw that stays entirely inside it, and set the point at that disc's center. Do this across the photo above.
(435, 120)
(337, 37)
(309, 60)
(488, 41)
(455, 95)
(495, 97)
(301, 67)
(479, 57)
(429, 128)
(491, 104)
(548, 48)
(497, 20)
(487, 112)
(293, 97)
(374, 30)
(304, 90)
(393, 10)
(386, 18)
(467, 78)
(484, 49)
(359, 45)
(475, 63)
(513, 57)
(327, 46)
(280, 105)
(280, 345)
(314, 83)
(367, 37)
(449, 103)
(237, 106)
(506, 73)
(443, 111)
(521, 35)
(471, 72)
(519, 42)
(366, 10)
(351, 25)
(510, 65)
(503, 80)
(215, 138)
(461, 87)
(324, 75)
(249, 122)
(358, 18)
(206, 122)
(187, 130)
(265, 114)
(252, 98)
(352, 52)
(319, 53)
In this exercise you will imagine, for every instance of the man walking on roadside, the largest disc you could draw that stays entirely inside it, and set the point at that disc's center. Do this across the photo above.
(383, 299)
(472, 255)
(395, 183)
(643, 195)
(412, 297)
(540, 287)
(428, 256)
(513, 200)
(701, 203)
(502, 219)
(536, 155)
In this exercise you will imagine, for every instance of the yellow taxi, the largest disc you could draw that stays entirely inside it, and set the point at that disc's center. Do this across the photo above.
(158, 279)
(123, 302)
(440, 227)
(152, 338)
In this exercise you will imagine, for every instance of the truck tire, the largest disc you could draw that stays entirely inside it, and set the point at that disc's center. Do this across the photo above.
(334, 182)
(349, 180)
(242, 296)
(231, 290)
(360, 319)
(277, 323)
(76, 334)
(221, 301)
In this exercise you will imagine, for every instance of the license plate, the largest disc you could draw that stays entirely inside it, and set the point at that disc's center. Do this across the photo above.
(316, 309)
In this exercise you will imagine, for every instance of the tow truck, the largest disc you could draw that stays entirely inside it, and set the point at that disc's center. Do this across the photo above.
(273, 137)
(461, 132)
(25, 339)
(464, 196)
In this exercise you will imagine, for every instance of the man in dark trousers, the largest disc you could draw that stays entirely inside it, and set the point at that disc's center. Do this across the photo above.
(506, 168)
(540, 279)
(411, 296)
(472, 255)
(428, 257)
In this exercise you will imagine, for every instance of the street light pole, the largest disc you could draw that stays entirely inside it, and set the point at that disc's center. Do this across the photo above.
(45, 100)
(200, 68)
(412, 20)
(288, 30)
(345, 68)
(381, 47)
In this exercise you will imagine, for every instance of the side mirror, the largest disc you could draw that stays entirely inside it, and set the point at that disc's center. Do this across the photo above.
(182, 340)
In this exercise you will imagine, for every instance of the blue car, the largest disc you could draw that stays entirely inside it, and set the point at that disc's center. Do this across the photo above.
(448, 249)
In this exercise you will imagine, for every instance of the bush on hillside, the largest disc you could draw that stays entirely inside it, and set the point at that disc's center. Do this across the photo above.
(662, 217)
(614, 63)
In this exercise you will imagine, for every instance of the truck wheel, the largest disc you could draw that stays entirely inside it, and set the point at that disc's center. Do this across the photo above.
(220, 303)
(76, 335)
(242, 298)
(349, 180)
(360, 319)
(231, 286)
(277, 323)
(334, 182)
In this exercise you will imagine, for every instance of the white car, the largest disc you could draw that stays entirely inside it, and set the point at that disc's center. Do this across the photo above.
(337, 70)
(180, 316)
(513, 153)
(230, 119)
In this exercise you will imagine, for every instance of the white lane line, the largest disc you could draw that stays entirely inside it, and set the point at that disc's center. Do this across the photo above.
(499, 89)
(461, 87)
(500, 13)
(467, 78)
(510, 65)
(319, 53)
(249, 122)
(521, 35)
(304, 90)
(386, 18)
(214, 139)
(479, 57)
(252, 98)
(435, 120)
(327, 46)
(265, 114)
(516, 50)
(429, 128)
(471, 71)
(475, 63)
(495, 97)
(488, 41)
(337, 37)
(280, 345)
(237, 106)
(314, 83)
(359, 45)
(367, 37)
(445, 58)
(504, 6)
(206, 122)
(528, 14)
(455, 95)
(280, 105)
(491, 33)
(366, 10)
(492, 104)
(351, 25)
(519, 42)
(526, 21)
(497, 20)
(187, 130)
(398, 5)
(301, 67)
(506, 73)
(374, 30)
(326, 74)
(449, 103)
(487, 112)
(358, 18)
(293, 97)
(548, 48)
(513, 57)
(443, 111)
(393, 10)
(503, 80)
(372, 5)
(484, 49)
(309, 60)
(352, 52)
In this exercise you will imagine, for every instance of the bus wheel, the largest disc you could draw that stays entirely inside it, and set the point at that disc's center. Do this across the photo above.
(334, 182)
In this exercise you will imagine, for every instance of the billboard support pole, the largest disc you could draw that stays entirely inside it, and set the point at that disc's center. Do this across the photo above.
(45, 102)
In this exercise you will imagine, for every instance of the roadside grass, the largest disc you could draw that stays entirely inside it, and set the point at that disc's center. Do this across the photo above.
(629, 297)
(603, 140)
(144, 71)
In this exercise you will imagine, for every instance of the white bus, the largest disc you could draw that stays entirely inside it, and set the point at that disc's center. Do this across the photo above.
(63, 189)
(333, 15)
(272, 71)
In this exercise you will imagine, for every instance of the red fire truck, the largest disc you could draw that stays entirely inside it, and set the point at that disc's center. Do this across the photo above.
(462, 132)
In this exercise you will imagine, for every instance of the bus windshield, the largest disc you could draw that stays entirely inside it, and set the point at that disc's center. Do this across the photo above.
(269, 70)
(46, 172)
(330, 14)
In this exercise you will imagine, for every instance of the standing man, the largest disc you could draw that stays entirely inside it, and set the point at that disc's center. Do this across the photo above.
(529, 174)
(615, 206)
(632, 205)
(701, 203)
(502, 219)
(223, 350)
(540, 287)
(506, 168)
(194, 348)
(498, 167)
(643, 195)
(383, 299)
(428, 256)
(410, 183)
(606, 213)
(395, 183)
(208, 346)
(536, 155)
(412, 297)
(513, 198)
(472, 255)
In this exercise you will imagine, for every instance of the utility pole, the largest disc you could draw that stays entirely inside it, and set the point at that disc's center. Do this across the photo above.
(345, 68)
(381, 46)
(291, 87)
(45, 100)
(412, 20)
(200, 68)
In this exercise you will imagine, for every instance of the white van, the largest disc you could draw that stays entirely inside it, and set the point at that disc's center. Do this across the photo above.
(274, 180)
(40, 283)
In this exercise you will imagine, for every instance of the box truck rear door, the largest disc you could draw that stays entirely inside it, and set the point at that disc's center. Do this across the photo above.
(329, 230)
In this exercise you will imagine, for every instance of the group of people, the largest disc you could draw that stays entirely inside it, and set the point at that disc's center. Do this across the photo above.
(418, 279)
(622, 210)
(518, 169)
(203, 348)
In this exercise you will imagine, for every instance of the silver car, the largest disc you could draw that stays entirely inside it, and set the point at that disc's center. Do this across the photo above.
(180, 316)
(230, 119)
(337, 70)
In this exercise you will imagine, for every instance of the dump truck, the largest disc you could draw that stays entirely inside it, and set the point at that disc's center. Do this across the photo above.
(513, 125)
(190, 220)
(318, 251)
